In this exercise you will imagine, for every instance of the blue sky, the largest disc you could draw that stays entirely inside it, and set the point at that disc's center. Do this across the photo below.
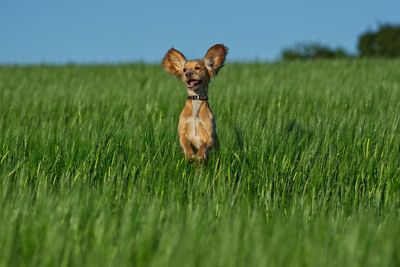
(93, 31)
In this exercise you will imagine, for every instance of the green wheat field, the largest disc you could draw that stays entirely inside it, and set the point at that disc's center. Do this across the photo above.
(308, 172)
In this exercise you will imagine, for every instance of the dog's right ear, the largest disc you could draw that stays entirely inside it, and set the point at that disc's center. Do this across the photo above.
(174, 62)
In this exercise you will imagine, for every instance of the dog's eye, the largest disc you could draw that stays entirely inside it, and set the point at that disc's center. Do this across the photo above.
(197, 68)
(185, 69)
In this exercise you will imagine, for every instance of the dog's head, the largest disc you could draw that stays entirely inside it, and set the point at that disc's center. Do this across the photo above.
(195, 73)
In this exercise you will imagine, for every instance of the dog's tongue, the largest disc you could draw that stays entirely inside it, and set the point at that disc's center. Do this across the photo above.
(192, 83)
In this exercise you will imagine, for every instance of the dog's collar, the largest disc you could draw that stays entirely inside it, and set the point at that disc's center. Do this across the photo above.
(197, 97)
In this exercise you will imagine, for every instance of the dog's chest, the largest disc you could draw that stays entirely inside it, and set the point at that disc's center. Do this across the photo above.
(196, 104)
(194, 123)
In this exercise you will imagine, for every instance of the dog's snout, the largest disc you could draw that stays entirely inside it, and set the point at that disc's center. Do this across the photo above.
(189, 74)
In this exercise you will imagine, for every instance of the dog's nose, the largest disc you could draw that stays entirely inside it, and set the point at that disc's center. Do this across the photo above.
(189, 74)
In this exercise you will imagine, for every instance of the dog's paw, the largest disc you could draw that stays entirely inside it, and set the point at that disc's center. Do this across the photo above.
(190, 157)
(201, 159)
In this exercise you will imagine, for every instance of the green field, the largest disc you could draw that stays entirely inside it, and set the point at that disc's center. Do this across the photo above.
(308, 173)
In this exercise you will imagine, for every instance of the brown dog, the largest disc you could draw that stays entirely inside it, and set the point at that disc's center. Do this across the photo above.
(197, 130)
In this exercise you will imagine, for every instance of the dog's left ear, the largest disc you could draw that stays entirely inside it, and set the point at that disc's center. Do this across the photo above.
(174, 62)
(215, 58)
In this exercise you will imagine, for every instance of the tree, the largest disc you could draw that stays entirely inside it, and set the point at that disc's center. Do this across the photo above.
(385, 42)
(312, 51)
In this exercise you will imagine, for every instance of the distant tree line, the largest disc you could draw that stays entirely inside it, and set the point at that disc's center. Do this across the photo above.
(384, 42)
(313, 51)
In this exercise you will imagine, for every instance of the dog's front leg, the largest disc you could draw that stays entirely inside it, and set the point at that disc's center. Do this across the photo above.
(186, 147)
(203, 150)
(207, 133)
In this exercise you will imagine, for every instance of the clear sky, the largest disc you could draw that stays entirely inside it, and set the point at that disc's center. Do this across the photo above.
(93, 31)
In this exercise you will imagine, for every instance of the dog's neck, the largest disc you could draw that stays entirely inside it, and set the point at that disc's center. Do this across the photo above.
(196, 104)
(202, 91)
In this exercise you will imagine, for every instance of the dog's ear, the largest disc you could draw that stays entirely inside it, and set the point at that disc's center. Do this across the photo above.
(174, 62)
(215, 58)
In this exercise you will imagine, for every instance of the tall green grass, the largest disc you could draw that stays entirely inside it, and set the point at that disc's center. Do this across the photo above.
(91, 173)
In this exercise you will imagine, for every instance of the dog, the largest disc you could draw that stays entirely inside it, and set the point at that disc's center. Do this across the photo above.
(196, 128)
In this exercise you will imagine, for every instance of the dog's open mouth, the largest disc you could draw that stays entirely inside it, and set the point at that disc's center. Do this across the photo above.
(192, 83)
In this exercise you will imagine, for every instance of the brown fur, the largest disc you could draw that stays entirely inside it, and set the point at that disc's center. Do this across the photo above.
(197, 129)
(173, 62)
